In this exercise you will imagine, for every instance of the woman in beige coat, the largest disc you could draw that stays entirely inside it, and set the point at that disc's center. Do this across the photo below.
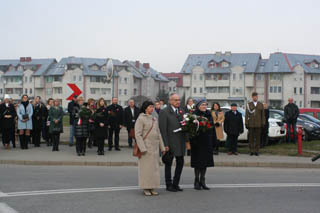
(149, 141)
(218, 119)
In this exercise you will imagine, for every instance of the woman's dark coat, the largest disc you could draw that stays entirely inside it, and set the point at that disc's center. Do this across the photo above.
(82, 127)
(202, 145)
(101, 116)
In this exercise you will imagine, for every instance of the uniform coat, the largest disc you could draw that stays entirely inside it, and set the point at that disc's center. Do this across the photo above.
(55, 113)
(20, 112)
(255, 117)
(168, 122)
(201, 145)
(149, 169)
(218, 119)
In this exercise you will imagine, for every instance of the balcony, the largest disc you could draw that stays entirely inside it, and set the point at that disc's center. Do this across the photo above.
(216, 83)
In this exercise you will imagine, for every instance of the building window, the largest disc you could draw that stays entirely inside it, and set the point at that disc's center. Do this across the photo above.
(194, 77)
(74, 78)
(201, 77)
(169, 89)
(300, 104)
(211, 89)
(120, 92)
(295, 90)
(234, 76)
(200, 90)
(48, 91)
(195, 90)
(260, 77)
(125, 80)
(134, 91)
(49, 79)
(30, 91)
(300, 90)
(9, 91)
(1, 91)
(125, 91)
(80, 78)
(240, 76)
(174, 89)
(211, 64)
(25, 79)
(276, 77)
(94, 91)
(57, 78)
(30, 79)
(57, 90)
(315, 90)
(271, 89)
(26, 91)
(223, 89)
(279, 89)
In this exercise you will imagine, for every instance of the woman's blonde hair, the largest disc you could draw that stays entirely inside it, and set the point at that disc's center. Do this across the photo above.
(90, 100)
(80, 98)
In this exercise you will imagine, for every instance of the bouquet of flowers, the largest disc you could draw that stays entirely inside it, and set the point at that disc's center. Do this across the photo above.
(194, 125)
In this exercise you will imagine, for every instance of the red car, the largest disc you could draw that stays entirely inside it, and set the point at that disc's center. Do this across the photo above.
(314, 112)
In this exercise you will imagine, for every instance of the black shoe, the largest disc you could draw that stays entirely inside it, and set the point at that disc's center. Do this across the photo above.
(257, 154)
(110, 149)
(118, 149)
(197, 185)
(89, 145)
(203, 185)
(171, 189)
(78, 154)
(178, 188)
(251, 154)
(70, 144)
(83, 154)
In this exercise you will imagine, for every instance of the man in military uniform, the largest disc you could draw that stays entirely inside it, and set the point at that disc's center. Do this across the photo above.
(255, 120)
(115, 120)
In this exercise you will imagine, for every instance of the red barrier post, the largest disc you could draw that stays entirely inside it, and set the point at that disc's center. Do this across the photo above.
(299, 141)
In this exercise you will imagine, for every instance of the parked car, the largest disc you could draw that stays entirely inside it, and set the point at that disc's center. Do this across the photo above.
(277, 130)
(310, 118)
(310, 130)
(314, 112)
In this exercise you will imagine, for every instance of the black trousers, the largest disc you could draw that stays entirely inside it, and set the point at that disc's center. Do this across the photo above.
(6, 136)
(36, 136)
(177, 173)
(129, 138)
(264, 137)
(116, 132)
(233, 143)
(55, 141)
(13, 137)
(81, 144)
(100, 144)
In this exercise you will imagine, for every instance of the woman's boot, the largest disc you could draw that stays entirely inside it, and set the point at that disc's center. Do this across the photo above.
(196, 179)
(21, 139)
(203, 179)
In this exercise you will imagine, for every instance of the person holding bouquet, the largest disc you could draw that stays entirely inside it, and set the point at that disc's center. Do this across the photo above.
(201, 145)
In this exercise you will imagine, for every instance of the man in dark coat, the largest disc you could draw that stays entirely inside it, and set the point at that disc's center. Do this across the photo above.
(115, 121)
(39, 113)
(175, 142)
(265, 128)
(233, 127)
(71, 105)
(255, 120)
(291, 114)
(131, 114)
(7, 116)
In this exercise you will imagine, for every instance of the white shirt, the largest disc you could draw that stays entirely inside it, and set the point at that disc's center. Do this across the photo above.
(174, 109)
(255, 103)
(132, 111)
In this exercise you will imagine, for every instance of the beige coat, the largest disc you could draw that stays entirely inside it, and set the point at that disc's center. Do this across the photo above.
(218, 119)
(149, 163)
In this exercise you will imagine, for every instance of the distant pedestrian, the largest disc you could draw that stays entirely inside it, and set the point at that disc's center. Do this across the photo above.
(218, 119)
(150, 142)
(291, 114)
(189, 105)
(101, 125)
(233, 127)
(157, 109)
(115, 121)
(254, 121)
(39, 114)
(71, 105)
(131, 114)
(93, 108)
(82, 127)
(7, 115)
(47, 134)
(24, 113)
(56, 124)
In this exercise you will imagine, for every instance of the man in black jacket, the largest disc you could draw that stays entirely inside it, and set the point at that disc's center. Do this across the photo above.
(291, 114)
(7, 116)
(265, 128)
(72, 104)
(233, 127)
(131, 114)
(39, 113)
(115, 120)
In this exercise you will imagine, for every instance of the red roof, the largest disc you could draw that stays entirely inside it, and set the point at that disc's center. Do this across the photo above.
(172, 76)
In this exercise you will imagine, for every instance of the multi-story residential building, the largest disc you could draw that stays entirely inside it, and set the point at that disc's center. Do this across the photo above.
(24, 76)
(175, 83)
(49, 79)
(232, 77)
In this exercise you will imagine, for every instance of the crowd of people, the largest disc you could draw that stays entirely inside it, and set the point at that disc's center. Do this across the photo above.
(152, 127)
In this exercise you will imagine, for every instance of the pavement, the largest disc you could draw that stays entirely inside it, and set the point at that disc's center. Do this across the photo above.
(86, 189)
(67, 156)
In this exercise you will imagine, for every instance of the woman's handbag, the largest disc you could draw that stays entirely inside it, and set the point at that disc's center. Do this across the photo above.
(132, 134)
(25, 116)
(136, 150)
(167, 158)
(217, 124)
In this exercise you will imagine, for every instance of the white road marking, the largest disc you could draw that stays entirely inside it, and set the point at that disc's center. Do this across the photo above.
(2, 194)
(4, 208)
(128, 188)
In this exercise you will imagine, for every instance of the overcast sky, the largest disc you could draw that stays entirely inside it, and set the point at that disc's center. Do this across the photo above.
(161, 32)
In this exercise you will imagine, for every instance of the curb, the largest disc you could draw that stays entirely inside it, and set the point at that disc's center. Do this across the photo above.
(134, 164)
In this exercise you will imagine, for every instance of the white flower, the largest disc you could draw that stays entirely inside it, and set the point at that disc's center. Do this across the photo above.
(187, 119)
(185, 116)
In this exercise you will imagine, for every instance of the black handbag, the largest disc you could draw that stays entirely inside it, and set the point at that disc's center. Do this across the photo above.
(217, 124)
(25, 116)
(167, 158)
